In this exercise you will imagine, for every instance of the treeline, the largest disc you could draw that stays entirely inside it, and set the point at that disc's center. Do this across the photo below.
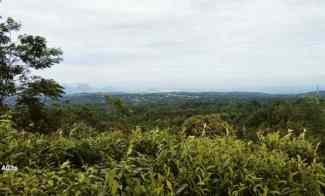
(244, 115)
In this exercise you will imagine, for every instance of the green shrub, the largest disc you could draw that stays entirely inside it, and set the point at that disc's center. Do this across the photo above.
(294, 146)
(112, 145)
(158, 163)
(207, 125)
(62, 181)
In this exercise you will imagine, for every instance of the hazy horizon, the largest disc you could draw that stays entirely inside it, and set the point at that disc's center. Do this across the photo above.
(86, 88)
(225, 45)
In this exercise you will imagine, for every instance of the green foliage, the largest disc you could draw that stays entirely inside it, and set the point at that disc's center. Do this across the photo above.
(207, 125)
(283, 115)
(116, 105)
(157, 162)
(62, 181)
(19, 57)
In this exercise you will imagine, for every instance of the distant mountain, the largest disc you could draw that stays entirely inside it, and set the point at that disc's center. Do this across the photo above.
(85, 88)
(77, 88)
(313, 93)
(98, 96)
(167, 97)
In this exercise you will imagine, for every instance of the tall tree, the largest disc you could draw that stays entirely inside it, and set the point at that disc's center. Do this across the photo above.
(19, 56)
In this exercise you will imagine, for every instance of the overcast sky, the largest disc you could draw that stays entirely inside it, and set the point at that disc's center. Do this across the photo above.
(181, 44)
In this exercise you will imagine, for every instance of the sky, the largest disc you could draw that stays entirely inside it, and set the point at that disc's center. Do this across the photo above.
(225, 45)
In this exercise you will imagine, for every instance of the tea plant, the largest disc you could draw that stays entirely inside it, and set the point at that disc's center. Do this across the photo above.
(157, 162)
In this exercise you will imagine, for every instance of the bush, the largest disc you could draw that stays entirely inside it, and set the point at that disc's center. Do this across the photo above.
(207, 125)
(158, 163)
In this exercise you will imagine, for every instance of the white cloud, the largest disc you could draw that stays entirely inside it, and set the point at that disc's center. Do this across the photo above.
(183, 43)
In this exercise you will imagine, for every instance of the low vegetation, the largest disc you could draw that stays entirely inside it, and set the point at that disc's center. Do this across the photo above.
(158, 162)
